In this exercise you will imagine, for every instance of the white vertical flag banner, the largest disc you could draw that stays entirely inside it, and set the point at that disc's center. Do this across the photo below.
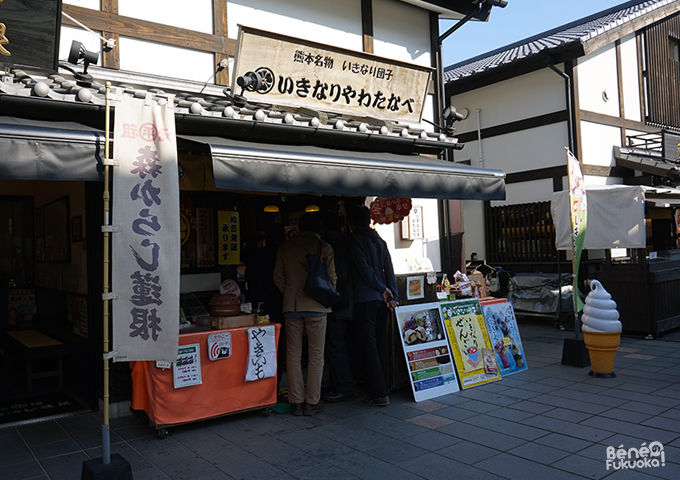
(261, 353)
(146, 240)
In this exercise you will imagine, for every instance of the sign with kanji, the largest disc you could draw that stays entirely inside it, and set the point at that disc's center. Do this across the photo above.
(300, 73)
(389, 210)
(469, 338)
(146, 232)
(229, 238)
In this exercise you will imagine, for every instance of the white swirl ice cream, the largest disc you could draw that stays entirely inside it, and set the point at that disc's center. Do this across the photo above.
(600, 314)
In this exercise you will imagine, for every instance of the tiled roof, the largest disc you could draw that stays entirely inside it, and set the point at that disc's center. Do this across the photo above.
(579, 31)
(194, 99)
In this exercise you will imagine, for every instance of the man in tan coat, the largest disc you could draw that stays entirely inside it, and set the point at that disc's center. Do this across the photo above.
(301, 313)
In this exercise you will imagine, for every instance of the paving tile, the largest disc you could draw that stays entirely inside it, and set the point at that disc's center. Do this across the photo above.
(427, 405)
(556, 382)
(430, 420)
(506, 427)
(395, 452)
(492, 398)
(573, 404)
(482, 436)
(289, 463)
(520, 393)
(538, 453)
(532, 407)
(431, 466)
(138, 462)
(432, 440)
(54, 449)
(321, 471)
(64, 466)
(457, 413)
(516, 468)
(673, 413)
(39, 433)
(364, 466)
(643, 407)
(478, 406)
(642, 398)
(21, 471)
(328, 450)
(586, 467)
(390, 426)
(626, 415)
(468, 452)
(618, 426)
(630, 475)
(663, 423)
(566, 428)
(567, 415)
(511, 414)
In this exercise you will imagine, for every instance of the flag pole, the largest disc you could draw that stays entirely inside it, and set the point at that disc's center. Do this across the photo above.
(106, 440)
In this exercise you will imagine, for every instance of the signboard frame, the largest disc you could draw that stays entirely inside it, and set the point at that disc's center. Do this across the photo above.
(430, 375)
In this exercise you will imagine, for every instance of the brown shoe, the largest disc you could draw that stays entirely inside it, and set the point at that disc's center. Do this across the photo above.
(313, 409)
(298, 408)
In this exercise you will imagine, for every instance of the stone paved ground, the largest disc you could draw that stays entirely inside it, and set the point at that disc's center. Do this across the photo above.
(550, 422)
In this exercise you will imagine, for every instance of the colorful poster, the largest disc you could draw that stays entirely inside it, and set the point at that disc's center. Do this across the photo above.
(504, 334)
(427, 351)
(468, 336)
(415, 288)
(186, 369)
(579, 218)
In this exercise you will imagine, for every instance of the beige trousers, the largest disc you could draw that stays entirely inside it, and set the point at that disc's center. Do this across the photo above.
(316, 337)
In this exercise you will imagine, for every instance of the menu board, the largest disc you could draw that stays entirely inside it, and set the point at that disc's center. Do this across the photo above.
(504, 335)
(470, 342)
(426, 349)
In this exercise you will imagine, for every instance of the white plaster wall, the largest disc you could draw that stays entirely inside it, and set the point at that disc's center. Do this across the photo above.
(597, 141)
(473, 222)
(597, 75)
(629, 72)
(331, 23)
(195, 15)
(401, 32)
(166, 61)
(427, 247)
(539, 147)
(596, 180)
(528, 192)
(526, 96)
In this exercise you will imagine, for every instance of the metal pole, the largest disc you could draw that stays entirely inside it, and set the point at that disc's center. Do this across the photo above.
(106, 441)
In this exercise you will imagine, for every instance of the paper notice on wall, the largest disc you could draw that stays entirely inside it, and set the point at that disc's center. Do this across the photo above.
(187, 368)
(261, 353)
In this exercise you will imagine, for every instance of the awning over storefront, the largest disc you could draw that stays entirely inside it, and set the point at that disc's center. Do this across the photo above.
(647, 163)
(37, 150)
(313, 170)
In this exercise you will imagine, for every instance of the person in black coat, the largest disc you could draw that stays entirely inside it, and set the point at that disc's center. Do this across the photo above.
(341, 382)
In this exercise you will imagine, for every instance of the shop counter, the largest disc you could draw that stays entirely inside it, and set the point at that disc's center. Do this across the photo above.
(223, 389)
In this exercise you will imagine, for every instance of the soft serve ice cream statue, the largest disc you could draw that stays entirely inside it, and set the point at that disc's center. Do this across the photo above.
(600, 314)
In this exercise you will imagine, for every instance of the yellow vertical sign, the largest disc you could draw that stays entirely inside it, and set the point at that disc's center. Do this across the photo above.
(230, 237)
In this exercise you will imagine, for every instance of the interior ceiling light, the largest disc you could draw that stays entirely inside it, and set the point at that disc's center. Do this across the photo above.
(312, 208)
(271, 209)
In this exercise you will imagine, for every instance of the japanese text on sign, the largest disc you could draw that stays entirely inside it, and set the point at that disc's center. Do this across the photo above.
(305, 74)
(229, 238)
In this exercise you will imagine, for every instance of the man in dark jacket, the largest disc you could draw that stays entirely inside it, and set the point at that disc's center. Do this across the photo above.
(341, 387)
(375, 288)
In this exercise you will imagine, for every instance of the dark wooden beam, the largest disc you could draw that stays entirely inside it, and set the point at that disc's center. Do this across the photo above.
(111, 57)
(221, 30)
(518, 126)
(367, 25)
(149, 31)
(602, 119)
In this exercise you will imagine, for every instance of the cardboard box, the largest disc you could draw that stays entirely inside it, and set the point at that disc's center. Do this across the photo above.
(235, 321)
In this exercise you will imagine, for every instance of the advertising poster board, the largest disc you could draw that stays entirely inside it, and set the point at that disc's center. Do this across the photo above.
(427, 351)
(469, 339)
(504, 335)
(187, 368)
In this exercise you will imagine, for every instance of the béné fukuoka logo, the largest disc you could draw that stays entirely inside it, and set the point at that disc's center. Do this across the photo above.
(643, 457)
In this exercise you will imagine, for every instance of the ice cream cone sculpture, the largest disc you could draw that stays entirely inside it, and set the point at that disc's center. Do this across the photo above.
(601, 330)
